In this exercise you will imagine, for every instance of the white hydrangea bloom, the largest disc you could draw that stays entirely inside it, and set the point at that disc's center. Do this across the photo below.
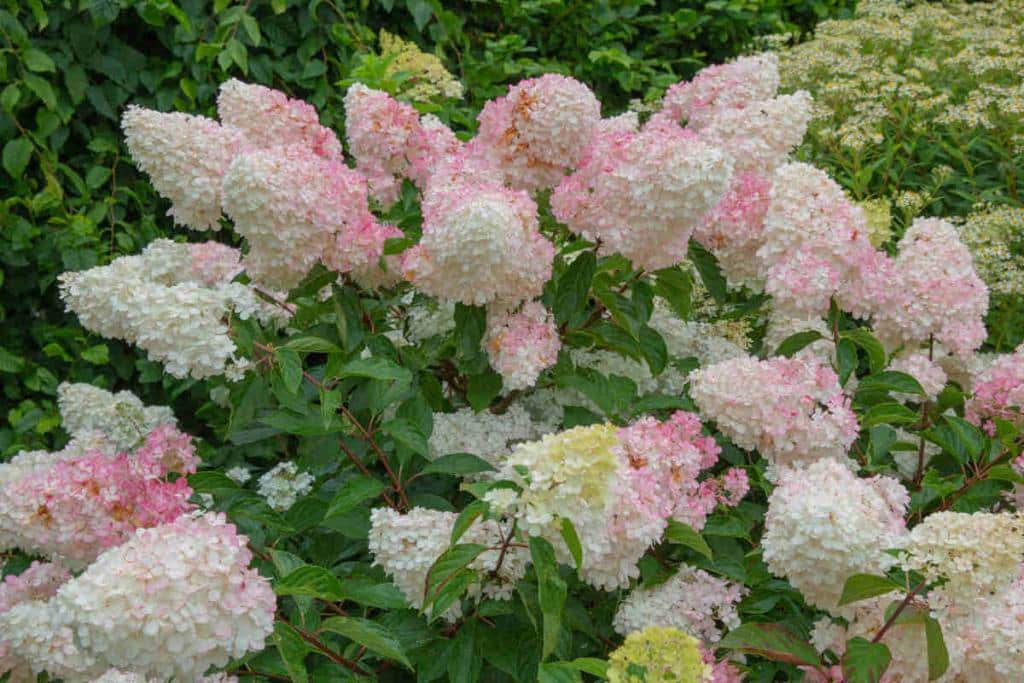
(283, 485)
(173, 601)
(484, 434)
(157, 301)
(692, 601)
(825, 524)
(407, 545)
(122, 417)
(239, 474)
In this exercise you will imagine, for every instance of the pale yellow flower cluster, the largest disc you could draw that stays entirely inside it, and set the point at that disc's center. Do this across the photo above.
(955, 64)
(427, 78)
(995, 236)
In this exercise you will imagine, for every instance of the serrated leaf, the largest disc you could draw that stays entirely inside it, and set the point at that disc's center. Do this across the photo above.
(558, 672)
(375, 368)
(406, 433)
(846, 360)
(551, 592)
(466, 519)
(572, 541)
(293, 650)
(795, 342)
(676, 287)
(312, 581)
(864, 661)
(891, 380)
(9, 362)
(290, 365)
(43, 90)
(574, 286)
(482, 389)
(97, 355)
(369, 634)
(710, 272)
(871, 346)
(458, 464)
(938, 655)
(37, 60)
(17, 153)
(891, 413)
(686, 535)
(353, 493)
(446, 568)
(652, 345)
(864, 586)
(771, 641)
(373, 594)
(311, 345)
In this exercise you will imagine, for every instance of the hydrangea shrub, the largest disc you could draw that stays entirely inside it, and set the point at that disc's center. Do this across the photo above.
(633, 398)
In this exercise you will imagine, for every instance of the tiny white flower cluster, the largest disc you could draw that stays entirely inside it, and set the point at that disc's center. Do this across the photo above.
(121, 417)
(157, 301)
(283, 485)
(484, 434)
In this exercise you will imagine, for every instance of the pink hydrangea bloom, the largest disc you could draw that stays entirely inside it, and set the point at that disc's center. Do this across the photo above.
(480, 243)
(733, 229)
(734, 85)
(380, 131)
(998, 393)
(538, 130)
(939, 292)
(928, 373)
(185, 158)
(358, 249)
(289, 204)
(664, 460)
(721, 671)
(213, 262)
(269, 118)
(791, 410)
(520, 345)
(77, 508)
(642, 194)
(802, 284)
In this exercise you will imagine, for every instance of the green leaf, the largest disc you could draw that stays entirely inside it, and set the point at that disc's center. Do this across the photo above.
(312, 581)
(406, 433)
(710, 273)
(558, 672)
(17, 153)
(864, 586)
(970, 436)
(373, 594)
(37, 60)
(551, 592)
(675, 286)
(864, 661)
(846, 359)
(871, 346)
(252, 29)
(653, 347)
(311, 345)
(290, 365)
(591, 665)
(238, 54)
(572, 541)
(795, 342)
(686, 535)
(43, 90)
(370, 635)
(450, 568)
(891, 380)
(938, 655)
(771, 641)
(466, 518)
(354, 493)
(482, 389)
(293, 650)
(421, 11)
(458, 464)
(573, 288)
(375, 368)
(888, 413)
(9, 362)
(97, 355)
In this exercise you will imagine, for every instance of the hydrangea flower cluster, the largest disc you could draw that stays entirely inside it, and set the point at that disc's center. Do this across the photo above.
(938, 293)
(38, 582)
(659, 654)
(173, 601)
(407, 545)
(76, 508)
(282, 485)
(618, 487)
(121, 417)
(998, 393)
(692, 601)
(927, 372)
(522, 344)
(825, 524)
(158, 301)
(485, 434)
(791, 410)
